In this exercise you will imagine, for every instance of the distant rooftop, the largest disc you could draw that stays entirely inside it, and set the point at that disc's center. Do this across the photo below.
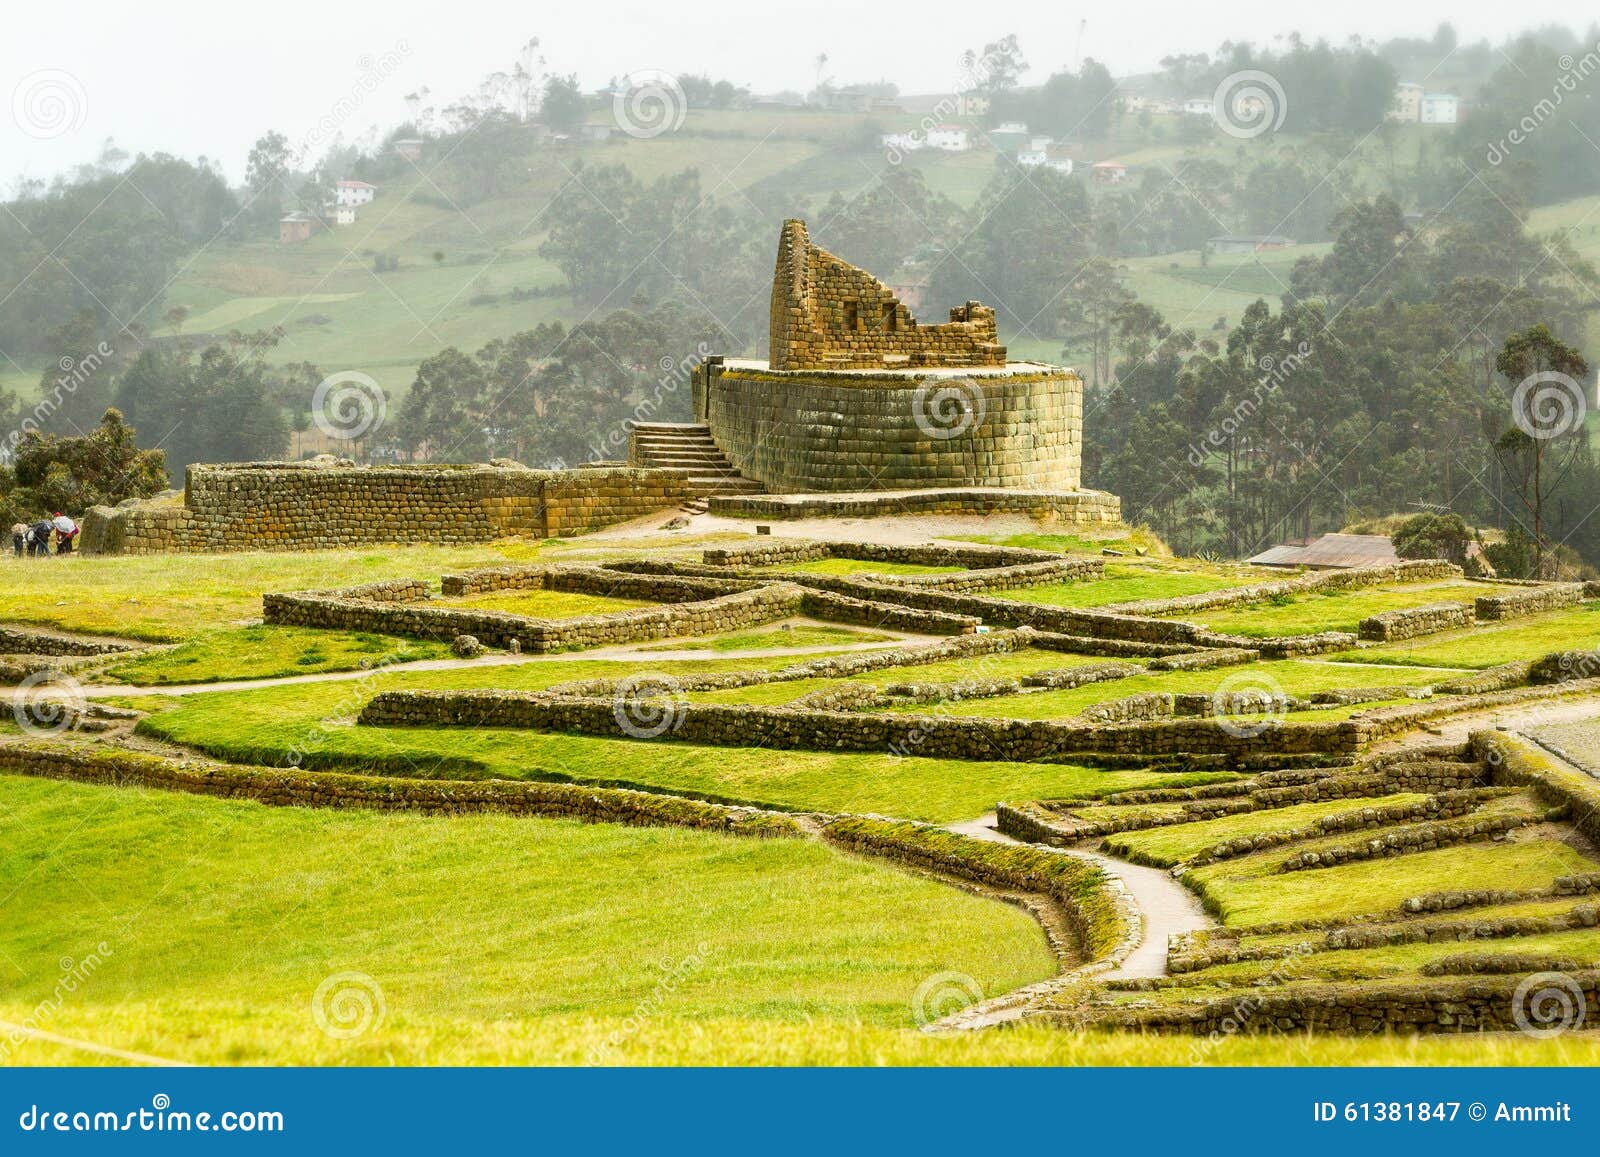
(1332, 551)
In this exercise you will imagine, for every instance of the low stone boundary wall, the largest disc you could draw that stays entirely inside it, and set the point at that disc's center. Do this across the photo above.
(1401, 1006)
(890, 616)
(1006, 578)
(1501, 678)
(974, 557)
(1444, 805)
(1066, 506)
(1528, 601)
(1109, 648)
(1390, 626)
(1423, 837)
(1564, 667)
(1191, 953)
(27, 641)
(1066, 678)
(787, 728)
(1582, 884)
(282, 787)
(320, 506)
(403, 609)
(1203, 660)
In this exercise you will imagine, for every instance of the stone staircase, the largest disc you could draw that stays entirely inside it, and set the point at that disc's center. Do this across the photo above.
(688, 446)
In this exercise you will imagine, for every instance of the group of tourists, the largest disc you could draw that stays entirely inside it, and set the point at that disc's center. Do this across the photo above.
(35, 538)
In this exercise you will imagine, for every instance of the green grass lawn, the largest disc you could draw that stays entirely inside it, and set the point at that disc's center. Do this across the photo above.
(543, 604)
(1306, 614)
(264, 652)
(1491, 643)
(169, 598)
(1129, 582)
(856, 566)
(796, 635)
(232, 906)
(1246, 891)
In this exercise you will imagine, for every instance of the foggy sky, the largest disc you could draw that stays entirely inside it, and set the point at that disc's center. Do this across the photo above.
(195, 78)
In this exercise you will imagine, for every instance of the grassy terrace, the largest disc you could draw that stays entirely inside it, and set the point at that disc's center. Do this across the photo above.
(778, 635)
(1249, 891)
(266, 725)
(543, 604)
(1290, 676)
(1581, 945)
(1005, 665)
(855, 566)
(1171, 845)
(221, 933)
(471, 919)
(1491, 643)
(262, 652)
(1305, 614)
(163, 599)
(1131, 582)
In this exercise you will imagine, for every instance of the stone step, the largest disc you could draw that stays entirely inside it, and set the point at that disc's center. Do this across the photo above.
(671, 429)
(677, 444)
(690, 461)
(726, 485)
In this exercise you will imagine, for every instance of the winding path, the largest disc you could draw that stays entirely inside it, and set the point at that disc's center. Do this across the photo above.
(1166, 907)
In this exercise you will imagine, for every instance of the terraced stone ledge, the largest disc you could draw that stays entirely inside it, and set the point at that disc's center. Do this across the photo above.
(1401, 1006)
(284, 787)
(790, 728)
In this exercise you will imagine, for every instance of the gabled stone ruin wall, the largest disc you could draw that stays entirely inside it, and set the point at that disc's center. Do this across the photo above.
(827, 314)
(301, 506)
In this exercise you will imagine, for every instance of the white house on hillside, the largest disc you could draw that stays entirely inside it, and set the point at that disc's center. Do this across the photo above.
(949, 138)
(1035, 153)
(353, 192)
(1440, 108)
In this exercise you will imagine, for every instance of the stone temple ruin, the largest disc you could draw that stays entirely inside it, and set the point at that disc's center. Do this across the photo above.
(859, 409)
(858, 395)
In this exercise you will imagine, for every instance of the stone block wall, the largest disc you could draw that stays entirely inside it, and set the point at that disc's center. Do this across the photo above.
(973, 557)
(788, 728)
(404, 609)
(826, 313)
(1529, 601)
(1397, 1006)
(1073, 507)
(1389, 626)
(314, 506)
(1016, 427)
